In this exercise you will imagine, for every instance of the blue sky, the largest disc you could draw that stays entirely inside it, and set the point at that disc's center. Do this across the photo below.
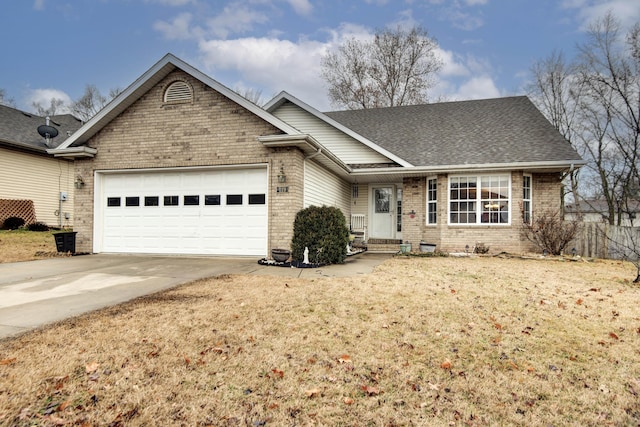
(54, 48)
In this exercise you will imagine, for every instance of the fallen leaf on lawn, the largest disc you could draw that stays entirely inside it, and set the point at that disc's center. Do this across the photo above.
(187, 361)
(314, 392)
(54, 420)
(344, 359)
(63, 405)
(274, 406)
(453, 291)
(348, 401)
(614, 335)
(92, 367)
(369, 390)
(446, 364)
(8, 361)
(579, 301)
(278, 373)
(497, 325)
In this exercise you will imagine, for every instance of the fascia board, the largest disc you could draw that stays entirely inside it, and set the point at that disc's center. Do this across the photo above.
(555, 165)
(283, 96)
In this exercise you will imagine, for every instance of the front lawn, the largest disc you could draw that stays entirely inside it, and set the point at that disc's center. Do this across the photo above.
(23, 245)
(422, 341)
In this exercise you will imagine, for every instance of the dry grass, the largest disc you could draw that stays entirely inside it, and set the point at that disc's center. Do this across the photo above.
(422, 341)
(22, 245)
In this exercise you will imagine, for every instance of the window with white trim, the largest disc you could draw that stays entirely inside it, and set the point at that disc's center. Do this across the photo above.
(526, 199)
(483, 199)
(432, 201)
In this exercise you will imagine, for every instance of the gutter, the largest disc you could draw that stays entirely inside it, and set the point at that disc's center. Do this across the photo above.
(307, 144)
(74, 152)
(562, 164)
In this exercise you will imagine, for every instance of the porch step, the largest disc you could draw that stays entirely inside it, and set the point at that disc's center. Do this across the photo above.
(384, 241)
(384, 245)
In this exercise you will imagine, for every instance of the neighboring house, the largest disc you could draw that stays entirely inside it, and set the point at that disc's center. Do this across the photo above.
(29, 173)
(597, 210)
(180, 164)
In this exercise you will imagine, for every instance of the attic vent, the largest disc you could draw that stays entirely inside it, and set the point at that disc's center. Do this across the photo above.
(178, 91)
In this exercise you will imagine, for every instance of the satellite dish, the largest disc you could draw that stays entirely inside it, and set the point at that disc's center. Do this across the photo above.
(47, 132)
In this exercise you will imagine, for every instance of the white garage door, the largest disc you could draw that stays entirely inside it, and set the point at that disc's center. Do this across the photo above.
(212, 212)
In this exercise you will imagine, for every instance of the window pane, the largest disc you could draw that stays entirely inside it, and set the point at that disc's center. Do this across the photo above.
(212, 199)
(234, 199)
(256, 199)
(151, 201)
(382, 200)
(191, 200)
(171, 200)
(132, 201)
(113, 201)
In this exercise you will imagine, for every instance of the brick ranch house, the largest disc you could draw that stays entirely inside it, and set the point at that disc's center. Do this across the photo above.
(180, 164)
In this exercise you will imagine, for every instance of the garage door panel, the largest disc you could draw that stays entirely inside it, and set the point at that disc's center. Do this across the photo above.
(179, 229)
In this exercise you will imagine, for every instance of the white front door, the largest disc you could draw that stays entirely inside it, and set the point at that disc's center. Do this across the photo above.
(383, 211)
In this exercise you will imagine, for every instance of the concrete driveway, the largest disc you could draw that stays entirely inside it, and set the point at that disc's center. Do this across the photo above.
(36, 293)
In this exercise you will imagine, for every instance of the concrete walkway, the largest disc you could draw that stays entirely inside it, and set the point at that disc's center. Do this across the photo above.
(37, 293)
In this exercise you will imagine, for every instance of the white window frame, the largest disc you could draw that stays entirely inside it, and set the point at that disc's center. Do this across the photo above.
(477, 201)
(527, 212)
(432, 204)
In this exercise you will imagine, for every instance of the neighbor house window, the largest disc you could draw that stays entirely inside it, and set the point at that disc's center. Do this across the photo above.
(526, 199)
(432, 203)
(481, 199)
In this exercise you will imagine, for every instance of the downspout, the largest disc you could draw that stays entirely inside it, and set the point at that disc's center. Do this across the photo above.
(311, 156)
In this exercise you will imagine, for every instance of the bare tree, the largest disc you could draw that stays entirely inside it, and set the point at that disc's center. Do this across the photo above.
(397, 67)
(557, 90)
(91, 102)
(5, 100)
(595, 103)
(51, 110)
(251, 94)
(610, 71)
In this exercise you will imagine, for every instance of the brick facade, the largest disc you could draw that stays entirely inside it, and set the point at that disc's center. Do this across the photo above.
(546, 196)
(210, 130)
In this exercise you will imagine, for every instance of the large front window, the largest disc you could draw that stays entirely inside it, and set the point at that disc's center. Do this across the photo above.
(480, 199)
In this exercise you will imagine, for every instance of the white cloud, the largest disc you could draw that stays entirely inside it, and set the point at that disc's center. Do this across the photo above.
(302, 7)
(44, 97)
(480, 87)
(178, 29)
(272, 64)
(235, 18)
(475, 2)
(38, 4)
(451, 66)
(627, 11)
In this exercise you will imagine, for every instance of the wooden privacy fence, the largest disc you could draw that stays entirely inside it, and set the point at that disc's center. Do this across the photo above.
(602, 240)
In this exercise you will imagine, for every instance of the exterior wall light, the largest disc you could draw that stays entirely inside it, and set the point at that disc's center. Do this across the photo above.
(79, 183)
(282, 178)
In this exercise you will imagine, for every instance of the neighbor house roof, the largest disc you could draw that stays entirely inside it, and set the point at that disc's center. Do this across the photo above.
(480, 132)
(19, 129)
(600, 206)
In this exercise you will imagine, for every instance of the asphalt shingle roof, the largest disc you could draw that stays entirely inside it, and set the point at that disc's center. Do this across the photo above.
(490, 131)
(20, 129)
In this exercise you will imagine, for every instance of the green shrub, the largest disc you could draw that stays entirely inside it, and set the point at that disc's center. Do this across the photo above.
(324, 231)
(13, 223)
(38, 226)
